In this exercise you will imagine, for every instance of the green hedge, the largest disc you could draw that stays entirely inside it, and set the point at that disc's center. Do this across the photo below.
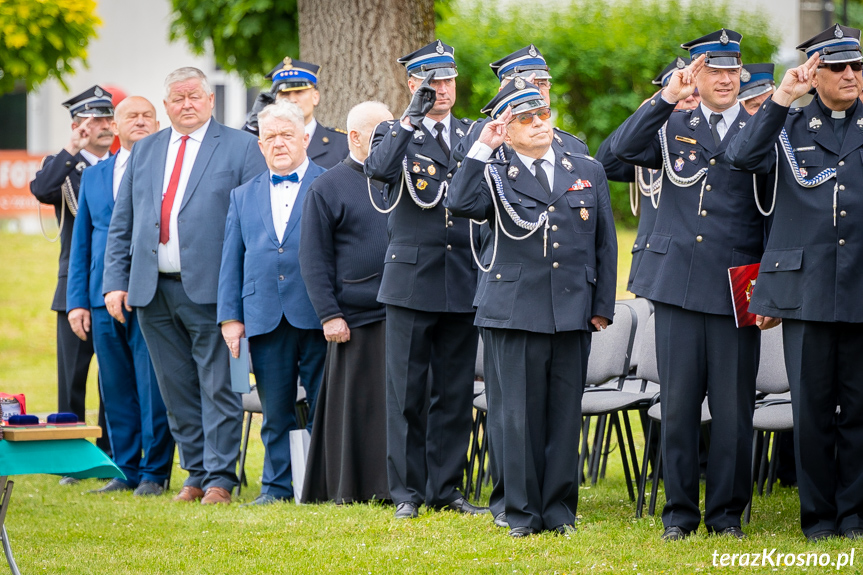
(602, 55)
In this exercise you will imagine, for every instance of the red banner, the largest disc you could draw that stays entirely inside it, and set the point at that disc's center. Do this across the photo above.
(742, 280)
(17, 169)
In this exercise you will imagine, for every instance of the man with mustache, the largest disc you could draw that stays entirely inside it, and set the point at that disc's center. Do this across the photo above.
(57, 183)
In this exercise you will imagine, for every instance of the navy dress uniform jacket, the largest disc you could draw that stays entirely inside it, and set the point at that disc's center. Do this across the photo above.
(259, 279)
(573, 279)
(695, 239)
(46, 186)
(328, 146)
(428, 265)
(811, 268)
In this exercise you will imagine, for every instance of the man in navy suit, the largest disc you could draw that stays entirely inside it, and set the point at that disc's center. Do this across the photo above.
(262, 295)
(163, 253)
(134, 410)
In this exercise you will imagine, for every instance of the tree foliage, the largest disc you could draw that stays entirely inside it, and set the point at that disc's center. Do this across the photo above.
(246, 36)
(602, 55)
(41, 39)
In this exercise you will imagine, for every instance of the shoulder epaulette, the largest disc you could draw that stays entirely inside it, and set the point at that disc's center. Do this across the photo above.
(466, 121)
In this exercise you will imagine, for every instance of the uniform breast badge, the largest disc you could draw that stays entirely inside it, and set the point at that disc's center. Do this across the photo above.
(694, 121)
(418, 135)
(803, 172)
(512, 172)
(416, 169)
(678, 164)
(815, 123)
(566, 163)
(584, 214)
(692, 156)
(79, 167)
(459, 132)
(422, 184)
(431, 170)
(741, 124)
(860, 123)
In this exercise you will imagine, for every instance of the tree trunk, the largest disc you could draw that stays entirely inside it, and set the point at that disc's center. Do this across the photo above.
(357, 43)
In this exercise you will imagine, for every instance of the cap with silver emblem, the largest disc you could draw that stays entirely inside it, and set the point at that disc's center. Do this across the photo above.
(437, 57)
(92, 103)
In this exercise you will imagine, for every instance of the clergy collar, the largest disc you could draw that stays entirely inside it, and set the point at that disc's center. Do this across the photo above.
(836, 115)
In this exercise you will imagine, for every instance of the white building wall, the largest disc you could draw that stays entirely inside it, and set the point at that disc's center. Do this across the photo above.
(133, 53)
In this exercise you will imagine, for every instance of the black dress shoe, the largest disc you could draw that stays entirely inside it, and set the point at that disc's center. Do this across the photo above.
(146, 488)
(111, 487)
(407, 510)
(821, 535)
(566, 530)
(732, 531)
(518, 532)
(264, 499)
(500, 519)
(853, 533)
(462, 506)
(674, 533)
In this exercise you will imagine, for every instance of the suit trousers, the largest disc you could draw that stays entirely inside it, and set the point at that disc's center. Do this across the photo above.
(702, 354)
(541, 385)
(278, 359)
(191, 363)
(134, 411)
(823, 371)
(426, 463)
(73, 364)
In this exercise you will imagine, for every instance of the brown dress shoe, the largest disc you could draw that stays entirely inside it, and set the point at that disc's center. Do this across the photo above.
(189, 493)
(216, 495)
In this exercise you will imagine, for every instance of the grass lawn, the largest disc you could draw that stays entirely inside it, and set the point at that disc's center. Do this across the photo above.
(56, 529)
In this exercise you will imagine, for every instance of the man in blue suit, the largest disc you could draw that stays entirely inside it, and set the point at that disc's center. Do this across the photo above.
(134, 410)
(163, 253)
(262, 295)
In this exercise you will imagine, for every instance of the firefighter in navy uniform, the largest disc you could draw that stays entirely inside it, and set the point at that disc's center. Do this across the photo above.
(428, 286)
(550, 281)
(297, 82)
(810, 274)
(57, 183)
(707, 222)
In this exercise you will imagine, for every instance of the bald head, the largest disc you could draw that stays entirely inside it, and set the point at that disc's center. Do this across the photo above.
(362, 121)
(134, 119)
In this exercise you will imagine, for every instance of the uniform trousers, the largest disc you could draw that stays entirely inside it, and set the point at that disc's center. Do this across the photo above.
(136, 418)
(822, 360)
(278, 359)
(426, 462)
(493, 426)
(697, 354)
(191, 363)
(541, 378)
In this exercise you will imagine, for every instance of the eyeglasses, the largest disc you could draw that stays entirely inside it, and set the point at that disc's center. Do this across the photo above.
(527, 117)
(839, 67)
(542, 84)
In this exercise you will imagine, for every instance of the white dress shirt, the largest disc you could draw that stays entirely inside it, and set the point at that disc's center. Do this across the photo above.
(169, 254)
(430, 126)
(93, 159)
(728, 117)
(283, 197)
(310, 128)
(120, 168)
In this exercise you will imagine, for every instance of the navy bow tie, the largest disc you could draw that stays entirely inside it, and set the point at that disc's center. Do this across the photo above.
(276, 179)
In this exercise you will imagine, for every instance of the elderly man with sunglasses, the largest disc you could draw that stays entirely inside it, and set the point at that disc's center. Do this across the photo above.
(707, 221)
(549, 283)
(810, 276)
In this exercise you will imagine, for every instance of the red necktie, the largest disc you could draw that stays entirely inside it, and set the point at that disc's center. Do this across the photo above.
(168, 199)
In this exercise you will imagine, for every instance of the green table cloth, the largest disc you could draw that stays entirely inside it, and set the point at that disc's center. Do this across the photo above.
(76, 458)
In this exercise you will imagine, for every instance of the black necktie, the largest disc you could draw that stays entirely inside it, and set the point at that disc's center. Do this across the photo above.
(714, 121)
(541, 176)
(440, 127)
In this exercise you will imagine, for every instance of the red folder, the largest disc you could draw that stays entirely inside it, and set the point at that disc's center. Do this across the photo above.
(742, 279)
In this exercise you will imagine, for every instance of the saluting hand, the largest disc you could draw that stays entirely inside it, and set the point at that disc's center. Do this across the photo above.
(681, 85)
(494, 133)
(80, 137)
(421, 103)
(797, 82)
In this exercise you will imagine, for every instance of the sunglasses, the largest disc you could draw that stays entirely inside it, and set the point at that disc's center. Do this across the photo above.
(840, 66)
(527, 117)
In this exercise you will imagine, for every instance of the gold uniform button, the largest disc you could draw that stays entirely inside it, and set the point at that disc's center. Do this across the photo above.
(841, 242)
(449, 224)
(842, 187)
(394, 134)
(497, 276)
(394, 256)
(708, 187)
(554, 228)
(712, 161)
(555, 265)
(551, 208)
(653, 102)
(843, 213)
(449, 248)
(555, 245)
(842, 163)
(449, 175)
(647, 246)
(777, 264)
(703, 213)
(635, 245)
(699, 239)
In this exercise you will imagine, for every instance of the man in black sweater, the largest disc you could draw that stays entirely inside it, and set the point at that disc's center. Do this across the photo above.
(342, 249)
